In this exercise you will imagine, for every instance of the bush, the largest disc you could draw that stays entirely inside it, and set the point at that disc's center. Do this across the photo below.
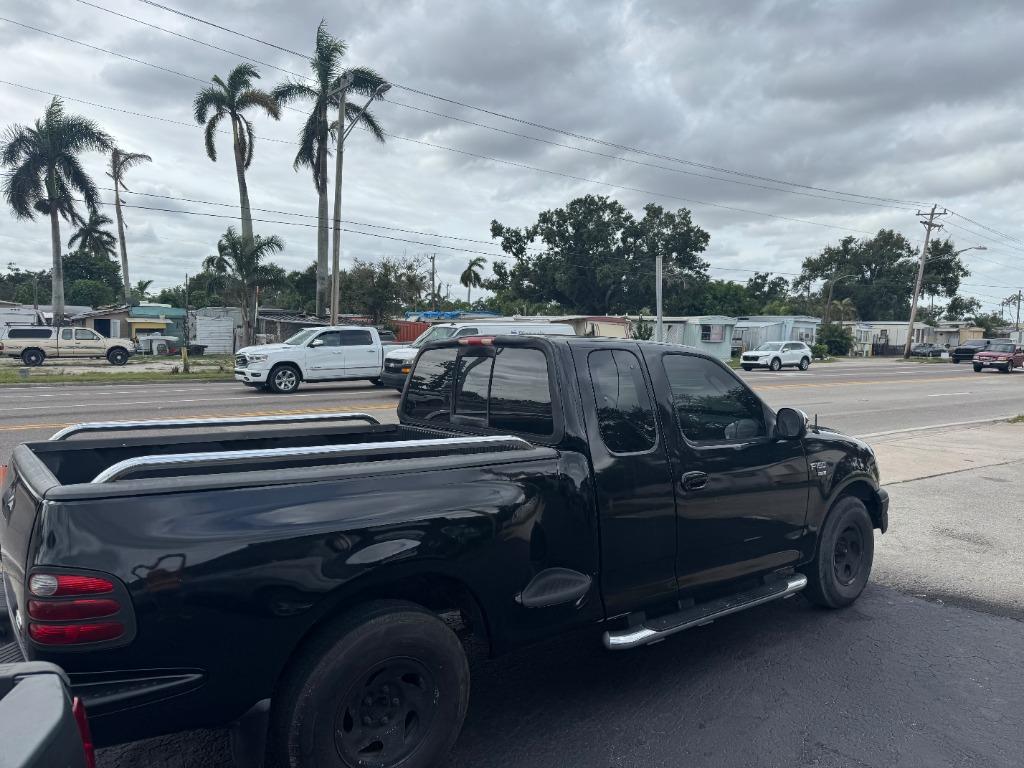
(643, 329)
(820, 351)
(836, 338)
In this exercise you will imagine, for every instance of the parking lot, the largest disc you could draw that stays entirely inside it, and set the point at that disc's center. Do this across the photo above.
(925, 670)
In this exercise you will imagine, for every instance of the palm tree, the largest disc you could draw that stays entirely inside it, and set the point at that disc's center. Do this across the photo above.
(844, 310)
(93, 237)
(44, 174)
(326, 93)
(232, 99)
(245, 263)
(120, 163)
(141, 291)
(471, 277)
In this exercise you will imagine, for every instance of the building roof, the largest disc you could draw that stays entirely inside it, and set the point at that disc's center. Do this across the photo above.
(781, 318)
(758, 323)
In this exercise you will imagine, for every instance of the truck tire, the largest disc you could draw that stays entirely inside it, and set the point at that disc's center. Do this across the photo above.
(386, 685)
(846, 549)
(977, 368)
(33, 357)
(117, 356)
(375, 382)
(284, 379)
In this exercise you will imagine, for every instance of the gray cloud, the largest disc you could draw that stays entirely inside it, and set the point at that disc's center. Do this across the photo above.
(911, 100)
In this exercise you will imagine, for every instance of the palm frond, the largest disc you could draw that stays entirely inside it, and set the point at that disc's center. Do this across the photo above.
(79, 134)
(250, 140)
(365, 80)
(290, 90)
(71, 170)
(253, 97)
(210, 135)
(241, 77)
(306, 155)
(372, 126)
(206, 100)
(23, 188)
(20, 141)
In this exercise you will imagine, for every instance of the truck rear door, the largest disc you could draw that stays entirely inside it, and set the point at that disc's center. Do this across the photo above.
(632, 477)
(362, 353)
(741, 494)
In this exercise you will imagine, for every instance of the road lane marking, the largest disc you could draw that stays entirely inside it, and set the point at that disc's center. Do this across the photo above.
(948, 394)
(331, 409)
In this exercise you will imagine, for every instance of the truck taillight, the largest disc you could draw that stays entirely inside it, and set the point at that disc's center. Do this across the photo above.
(63, 585)
(477, 341)
(75, 634)
(82, 721)
(71, 610)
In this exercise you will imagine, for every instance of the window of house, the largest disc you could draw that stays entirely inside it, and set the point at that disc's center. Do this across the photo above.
(712, 333)
(710, 404)
(625, 416)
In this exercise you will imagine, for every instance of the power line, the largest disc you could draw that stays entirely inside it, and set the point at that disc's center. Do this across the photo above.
(548, 128)
(989, 229)
(502, 130)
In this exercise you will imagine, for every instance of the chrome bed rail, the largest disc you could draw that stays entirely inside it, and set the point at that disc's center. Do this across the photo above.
(227, 421)
(266, 455)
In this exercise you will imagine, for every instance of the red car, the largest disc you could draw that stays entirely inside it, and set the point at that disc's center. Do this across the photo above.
(1004, 355)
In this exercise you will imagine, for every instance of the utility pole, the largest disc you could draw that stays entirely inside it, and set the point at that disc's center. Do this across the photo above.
(929, 224)
(1019, 294)
(659, 328)
(185, 333)
(433, 274)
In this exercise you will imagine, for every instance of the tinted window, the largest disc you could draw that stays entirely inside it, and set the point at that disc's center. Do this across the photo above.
(84, 335)
(356, 338)
(429, 392)
(29, 333)
(624, 414)
(520, 392)
(66, 334)
(710, 403)
(467, 332)
(330, 339)
(473, 382)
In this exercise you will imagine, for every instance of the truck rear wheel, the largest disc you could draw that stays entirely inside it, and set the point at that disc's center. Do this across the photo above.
(117, 356)
(283, 379)
(32, 357)
(846, 549)
(385, 686)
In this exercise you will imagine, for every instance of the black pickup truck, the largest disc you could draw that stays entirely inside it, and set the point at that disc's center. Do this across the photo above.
(314, 584)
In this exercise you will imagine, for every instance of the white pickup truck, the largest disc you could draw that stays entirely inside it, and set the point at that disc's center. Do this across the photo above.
(331, 353)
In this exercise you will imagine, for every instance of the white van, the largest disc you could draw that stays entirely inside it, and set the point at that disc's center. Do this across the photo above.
(398, 360)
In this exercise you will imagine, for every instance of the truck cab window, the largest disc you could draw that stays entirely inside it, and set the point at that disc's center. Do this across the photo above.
(624, 413)
(429, 391)
(520, 392)
(329, 339)
(82, 334)
(710, 404)
(356, 338)
(67, 334)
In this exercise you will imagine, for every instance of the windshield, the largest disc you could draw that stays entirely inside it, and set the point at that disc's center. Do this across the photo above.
(302, 336)
(771, 346)
(437, 333)
(1001, 348)
(975, 343)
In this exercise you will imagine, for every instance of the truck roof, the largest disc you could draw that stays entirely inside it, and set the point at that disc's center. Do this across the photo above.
(562, 340)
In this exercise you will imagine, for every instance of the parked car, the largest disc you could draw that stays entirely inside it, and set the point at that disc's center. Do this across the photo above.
(778, 354)
(398, 360)
(34, 344)
(927, 349)
(388, 338)
(41, 725)
(1004, 356)
(312, 581)
(970, 348)
(330, 353)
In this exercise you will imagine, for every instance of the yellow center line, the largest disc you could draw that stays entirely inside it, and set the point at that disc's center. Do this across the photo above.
(282, 412)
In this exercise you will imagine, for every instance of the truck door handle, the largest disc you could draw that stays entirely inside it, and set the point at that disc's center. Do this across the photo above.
(694, 481)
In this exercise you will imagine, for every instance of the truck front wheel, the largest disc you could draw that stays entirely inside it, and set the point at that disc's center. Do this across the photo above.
(117, 356)
(283, 379)
(387, 685)
(846, 549)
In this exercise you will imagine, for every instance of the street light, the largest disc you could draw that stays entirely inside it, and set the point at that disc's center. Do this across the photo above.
(972, 248)
(828, 304)
(343, 84)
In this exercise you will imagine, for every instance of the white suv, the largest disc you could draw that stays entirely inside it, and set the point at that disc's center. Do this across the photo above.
(331, 353)
(776, 354)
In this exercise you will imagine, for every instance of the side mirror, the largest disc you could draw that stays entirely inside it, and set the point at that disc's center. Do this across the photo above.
(316, 343)
(790, 424)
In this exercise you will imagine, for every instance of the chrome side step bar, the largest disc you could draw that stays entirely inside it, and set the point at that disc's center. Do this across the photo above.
(264, 455)
(228, 421)
(661, 627)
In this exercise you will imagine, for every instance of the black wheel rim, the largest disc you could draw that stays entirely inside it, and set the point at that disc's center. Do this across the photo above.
(848, 555)
(386, 714)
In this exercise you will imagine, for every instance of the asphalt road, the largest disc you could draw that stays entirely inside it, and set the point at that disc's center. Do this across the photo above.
(859, 397)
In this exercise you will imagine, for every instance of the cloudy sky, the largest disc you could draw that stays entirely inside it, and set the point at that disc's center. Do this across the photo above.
(911, 101)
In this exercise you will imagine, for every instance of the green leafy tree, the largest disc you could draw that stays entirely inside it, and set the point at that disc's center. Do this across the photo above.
(837, 338)
(596, 257)
(324, 94)
(90, 293)
(960, 307)
(120, 163)
(93, 236)
(381, 289)
(763, 290)
(23, 286)
(990, 321)
(231, 99)
(45, 173)
(472, 277)
(245, 266)
(93, 267)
